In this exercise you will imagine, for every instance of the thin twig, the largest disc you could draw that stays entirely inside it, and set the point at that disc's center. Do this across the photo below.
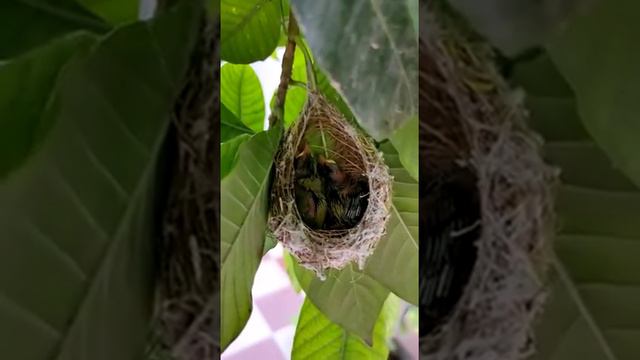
(285, 76)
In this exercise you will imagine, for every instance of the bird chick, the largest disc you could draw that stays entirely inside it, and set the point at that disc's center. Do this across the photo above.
(309, 188)
(311, 202)
(304, 163)
(346, 196)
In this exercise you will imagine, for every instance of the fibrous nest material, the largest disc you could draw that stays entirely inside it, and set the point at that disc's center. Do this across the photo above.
(317, 248)
(187, 311)
(476, 122)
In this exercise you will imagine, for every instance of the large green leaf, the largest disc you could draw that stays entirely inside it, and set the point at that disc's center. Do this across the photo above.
(230, 125)
(244, 199)
(516, 25)
(318, 338)
(229, 153)
(369, 51)
(595, 281)
(25, 24)
(24, 96)
(241, 93)
(598, 54)
(405, 140)
(348, 297)
(394, 262)
(78, 218)
(250, 29)
(114, 11)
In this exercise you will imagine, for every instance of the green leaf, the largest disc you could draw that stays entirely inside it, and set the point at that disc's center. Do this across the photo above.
(605, 86)
(27, 24)
(270, 242)
(369, 51)
(25, 85)
(595, 283)
(78, 219)
(289, 263)
(230, 125)
(516, 25)
(318, 338)
(405, 140)
(394, 263)
(244, 208)
(241, 94)
(348, 297)
(250, 29)
(114, 11)
(229, 153)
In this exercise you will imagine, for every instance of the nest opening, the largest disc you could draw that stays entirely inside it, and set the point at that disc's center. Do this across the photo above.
(331, 190)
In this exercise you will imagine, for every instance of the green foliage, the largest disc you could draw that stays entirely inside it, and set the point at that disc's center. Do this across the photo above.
(114, 11)
(516, 25)
(250, 29)
(28, 24)
(289, 263)
(348, 297)
(405, 140)
(394, 263)
(241, 94)
(592, 312)
(375, 66)
(598, 55)
(78, 218)
(244, 201)
(229, 153)
(230, 125)
(318, 338)
(25, 86)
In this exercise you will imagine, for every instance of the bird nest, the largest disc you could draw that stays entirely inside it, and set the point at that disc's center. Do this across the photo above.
(187, 311)
(474, 120)
(322, 132)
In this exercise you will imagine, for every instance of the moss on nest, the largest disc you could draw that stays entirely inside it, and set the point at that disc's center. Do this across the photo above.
(322, 246)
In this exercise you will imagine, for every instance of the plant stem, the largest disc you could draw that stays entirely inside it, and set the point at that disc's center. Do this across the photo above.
(285, 76)
(311, 72)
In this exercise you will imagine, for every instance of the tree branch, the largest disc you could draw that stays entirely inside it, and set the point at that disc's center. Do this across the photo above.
(287, 63)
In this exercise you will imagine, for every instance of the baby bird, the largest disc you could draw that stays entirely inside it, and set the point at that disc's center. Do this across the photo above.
(346, 196)
(309, 187)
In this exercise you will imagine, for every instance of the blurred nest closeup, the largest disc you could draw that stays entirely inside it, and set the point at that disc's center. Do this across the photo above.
(187, 310)
(331, 191)
(488, 209)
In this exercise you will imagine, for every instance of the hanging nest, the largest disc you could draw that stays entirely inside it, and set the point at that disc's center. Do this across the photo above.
(476, 133)
(350, 226)
(187, 311)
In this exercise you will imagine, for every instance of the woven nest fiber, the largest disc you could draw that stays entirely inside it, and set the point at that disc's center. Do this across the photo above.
(187, 312)
(474, 120)
(319, 249)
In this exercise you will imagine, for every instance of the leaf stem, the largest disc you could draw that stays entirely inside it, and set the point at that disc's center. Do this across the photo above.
(285, 76)
(311, 73)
